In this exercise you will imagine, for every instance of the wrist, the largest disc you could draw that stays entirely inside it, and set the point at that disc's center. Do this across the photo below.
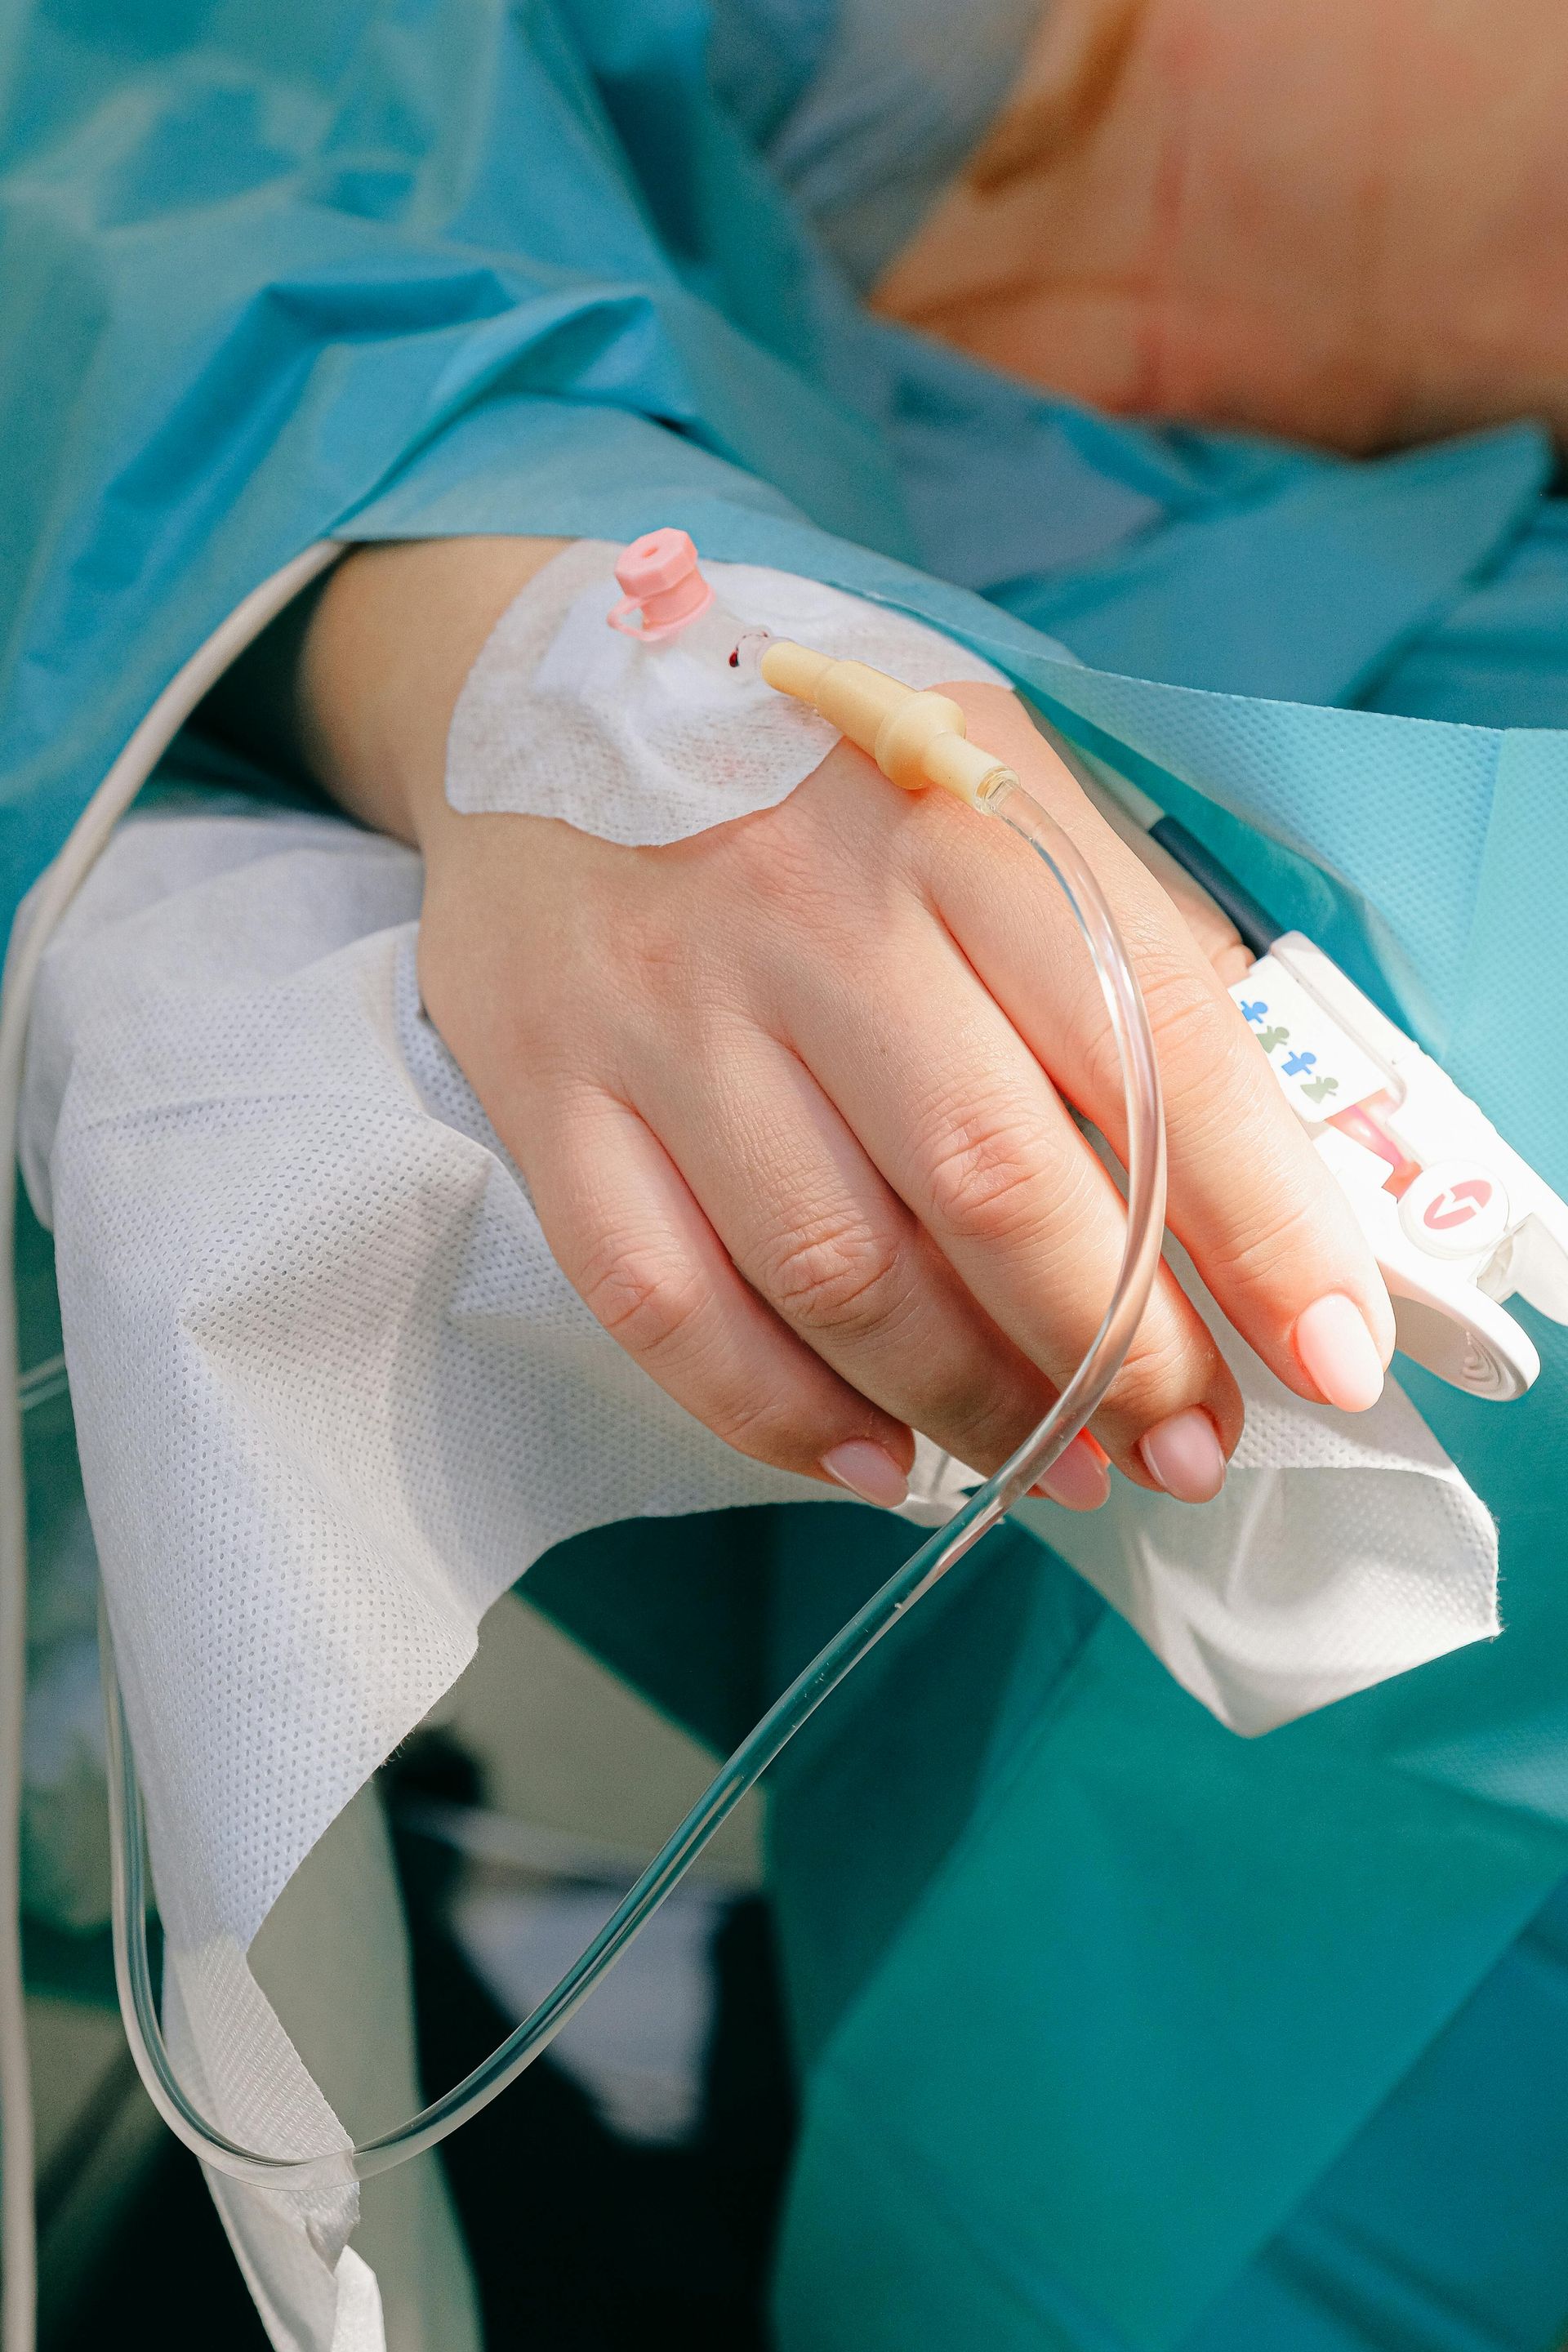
(384, 657)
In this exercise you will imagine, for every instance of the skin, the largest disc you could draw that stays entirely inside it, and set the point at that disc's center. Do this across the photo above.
(1346, 223)
(791, 1097)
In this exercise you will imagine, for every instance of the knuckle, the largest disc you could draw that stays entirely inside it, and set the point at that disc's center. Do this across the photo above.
(838, 1275)
(1183, 1012)
(642, 1296)
(752, 1425)
(983, 1430)
(1187, 1019)
(657, 1308)
(983, 1174)
(1282, 1227)
(1165, 1368)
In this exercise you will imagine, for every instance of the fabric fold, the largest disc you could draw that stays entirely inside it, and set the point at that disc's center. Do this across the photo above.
(334, 1397)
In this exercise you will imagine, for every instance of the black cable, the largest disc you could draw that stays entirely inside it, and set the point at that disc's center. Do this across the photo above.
(1255, 924)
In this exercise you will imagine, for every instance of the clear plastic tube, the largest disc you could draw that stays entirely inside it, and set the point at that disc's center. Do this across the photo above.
(711, 638)
(1146, 1163)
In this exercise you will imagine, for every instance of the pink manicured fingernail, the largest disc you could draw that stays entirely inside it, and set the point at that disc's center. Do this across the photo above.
(1184, 1453)
(1078, 1479)
(868, 1470)
(1337, 1352)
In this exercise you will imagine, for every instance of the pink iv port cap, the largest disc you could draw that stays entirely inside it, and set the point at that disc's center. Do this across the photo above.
(660, 573)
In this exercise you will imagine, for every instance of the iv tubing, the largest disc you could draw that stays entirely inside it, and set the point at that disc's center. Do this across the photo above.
(990, 787)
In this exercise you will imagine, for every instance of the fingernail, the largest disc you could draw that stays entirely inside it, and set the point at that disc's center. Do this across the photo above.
(869, 1471)
(1337, 1352)
(1184, 1455)
(1076, 1479)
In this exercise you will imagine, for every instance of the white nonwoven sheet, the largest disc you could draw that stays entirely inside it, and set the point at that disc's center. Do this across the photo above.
(333, 1396)
(1343, 1548)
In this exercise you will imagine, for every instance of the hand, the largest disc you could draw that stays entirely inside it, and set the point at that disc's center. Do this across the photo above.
(1339, 221)
(791, 1097)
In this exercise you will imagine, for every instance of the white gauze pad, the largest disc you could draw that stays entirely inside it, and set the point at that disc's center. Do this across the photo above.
(562, 715)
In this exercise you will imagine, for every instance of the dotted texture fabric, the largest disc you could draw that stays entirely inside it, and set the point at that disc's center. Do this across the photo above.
(313, 2292)
(562, 715)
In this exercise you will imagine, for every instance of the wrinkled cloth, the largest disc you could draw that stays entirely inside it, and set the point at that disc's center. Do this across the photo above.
(334, 1396)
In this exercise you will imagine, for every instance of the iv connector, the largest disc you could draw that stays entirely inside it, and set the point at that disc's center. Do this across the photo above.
(917, 738)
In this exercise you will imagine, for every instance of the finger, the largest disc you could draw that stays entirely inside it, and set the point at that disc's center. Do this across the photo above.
(1269, 1229)
(1078, 1478)
(631, 1241)
(968, 1129)
(822, 1238)
(1219, 941)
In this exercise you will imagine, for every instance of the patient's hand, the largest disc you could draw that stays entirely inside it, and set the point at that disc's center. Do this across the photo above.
(789, 1096)
(1344, 220)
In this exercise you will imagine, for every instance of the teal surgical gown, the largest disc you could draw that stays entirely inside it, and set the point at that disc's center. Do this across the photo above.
(1116, 2032)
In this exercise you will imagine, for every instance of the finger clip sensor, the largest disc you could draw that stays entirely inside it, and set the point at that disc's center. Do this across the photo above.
(1457, 1221)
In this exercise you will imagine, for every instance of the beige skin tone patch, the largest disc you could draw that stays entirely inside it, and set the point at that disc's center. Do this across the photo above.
(1339, 221)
